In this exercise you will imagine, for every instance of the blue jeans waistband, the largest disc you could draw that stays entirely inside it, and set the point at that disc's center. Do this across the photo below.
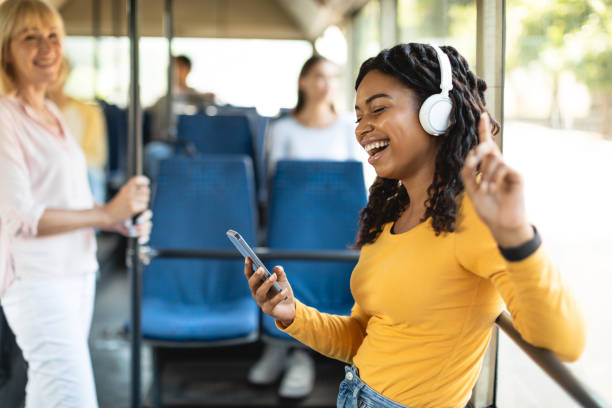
(354, 393)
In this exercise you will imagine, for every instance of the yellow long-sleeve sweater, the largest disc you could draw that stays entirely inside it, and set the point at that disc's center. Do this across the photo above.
(425, 306)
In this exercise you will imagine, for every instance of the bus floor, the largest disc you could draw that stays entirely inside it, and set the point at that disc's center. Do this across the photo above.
(207, 377)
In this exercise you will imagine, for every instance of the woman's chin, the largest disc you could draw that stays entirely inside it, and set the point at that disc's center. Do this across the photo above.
(382, 172)
(45, 80)
(387, 173)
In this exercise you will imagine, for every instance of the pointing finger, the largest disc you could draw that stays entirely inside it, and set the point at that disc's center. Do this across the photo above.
(484, 128)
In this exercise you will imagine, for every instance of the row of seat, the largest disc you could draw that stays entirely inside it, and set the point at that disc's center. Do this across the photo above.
(198, 198)
(220, 184)
(314, 205)
(218, 130)
(207, 302)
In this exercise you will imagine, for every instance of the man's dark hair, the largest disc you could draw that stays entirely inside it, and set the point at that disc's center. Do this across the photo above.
(183, 60)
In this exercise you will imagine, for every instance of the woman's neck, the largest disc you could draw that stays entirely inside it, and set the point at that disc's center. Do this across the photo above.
(317, 115)
(33, 96)
(59, 98)
(416, 186)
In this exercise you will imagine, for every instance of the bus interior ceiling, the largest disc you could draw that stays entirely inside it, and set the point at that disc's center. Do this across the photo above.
(261, 19)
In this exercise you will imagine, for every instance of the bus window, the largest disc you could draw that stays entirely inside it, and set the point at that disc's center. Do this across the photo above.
(240, 72)
(366, 36)
(444, 22)
(557, 134)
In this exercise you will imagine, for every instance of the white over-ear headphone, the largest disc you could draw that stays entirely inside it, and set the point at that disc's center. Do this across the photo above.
(435, 111)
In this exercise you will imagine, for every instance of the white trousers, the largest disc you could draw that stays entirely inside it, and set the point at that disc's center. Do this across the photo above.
(51, 320)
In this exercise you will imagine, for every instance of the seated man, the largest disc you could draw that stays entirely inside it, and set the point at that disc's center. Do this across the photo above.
(185, 100)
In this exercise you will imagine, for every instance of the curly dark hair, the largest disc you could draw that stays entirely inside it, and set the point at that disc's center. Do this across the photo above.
(416, 66)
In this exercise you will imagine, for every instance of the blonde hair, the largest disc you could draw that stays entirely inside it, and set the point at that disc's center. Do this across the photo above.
(15, 15)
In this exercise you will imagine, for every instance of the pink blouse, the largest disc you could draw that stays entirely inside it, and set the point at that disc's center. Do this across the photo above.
(40, 169)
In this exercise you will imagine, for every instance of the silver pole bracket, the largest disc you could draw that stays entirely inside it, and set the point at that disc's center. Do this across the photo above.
(146, 254)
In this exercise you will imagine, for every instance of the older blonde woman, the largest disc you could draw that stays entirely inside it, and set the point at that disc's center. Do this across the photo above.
(47, 214)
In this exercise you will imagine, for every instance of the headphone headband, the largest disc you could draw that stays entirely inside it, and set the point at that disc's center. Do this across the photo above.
(446, 72)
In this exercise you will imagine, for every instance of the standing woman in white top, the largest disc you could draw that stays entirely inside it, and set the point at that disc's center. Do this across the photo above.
(313, 131)
(47, 214)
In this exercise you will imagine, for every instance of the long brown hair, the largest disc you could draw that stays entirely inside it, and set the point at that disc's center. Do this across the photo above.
(306, 68)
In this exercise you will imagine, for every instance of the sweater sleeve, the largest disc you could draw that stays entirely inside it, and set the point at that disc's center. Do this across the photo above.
(334, 336)
(542, 306)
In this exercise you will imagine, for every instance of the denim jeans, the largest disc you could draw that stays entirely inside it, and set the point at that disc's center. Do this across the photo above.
(354, 393)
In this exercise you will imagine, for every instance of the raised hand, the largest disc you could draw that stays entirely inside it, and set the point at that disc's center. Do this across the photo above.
(497, 191)
(280, 306)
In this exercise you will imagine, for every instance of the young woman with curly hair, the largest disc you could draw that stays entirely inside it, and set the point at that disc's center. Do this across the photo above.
(445, 245)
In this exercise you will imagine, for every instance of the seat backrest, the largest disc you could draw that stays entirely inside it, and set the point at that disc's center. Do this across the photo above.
(315, 205)
(196, 200)
(221, 134)
(258, 125)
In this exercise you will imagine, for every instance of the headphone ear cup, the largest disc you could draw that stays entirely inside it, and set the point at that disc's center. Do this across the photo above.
(434, 114)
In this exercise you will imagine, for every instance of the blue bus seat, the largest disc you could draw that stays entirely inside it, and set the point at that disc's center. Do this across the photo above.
(314, 205)
(200, 300)
(258, 125)
(220, 134)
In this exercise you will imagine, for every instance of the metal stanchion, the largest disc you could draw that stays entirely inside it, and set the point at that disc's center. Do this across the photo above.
(169, 27)
(135, 168)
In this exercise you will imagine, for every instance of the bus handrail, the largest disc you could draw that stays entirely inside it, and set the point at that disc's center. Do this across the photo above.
(341, 255)
(552, 366)
(544, 358)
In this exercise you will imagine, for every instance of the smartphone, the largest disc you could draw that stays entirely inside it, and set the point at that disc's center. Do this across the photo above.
(246, 250)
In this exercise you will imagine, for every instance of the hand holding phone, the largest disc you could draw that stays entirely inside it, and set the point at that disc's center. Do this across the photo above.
(246, 251)
(274, 301)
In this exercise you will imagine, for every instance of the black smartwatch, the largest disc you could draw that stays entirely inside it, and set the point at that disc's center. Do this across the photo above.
(523, 251)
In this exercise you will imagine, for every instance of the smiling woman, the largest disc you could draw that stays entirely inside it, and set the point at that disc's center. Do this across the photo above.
(26, 29)
(443, 249)
(391, 89)
(34, 54)
(47, 214)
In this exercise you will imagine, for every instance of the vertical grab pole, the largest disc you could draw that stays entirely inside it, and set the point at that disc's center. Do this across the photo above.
(490, 65)
(135, 168)
(169, 28)
(96, 12)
